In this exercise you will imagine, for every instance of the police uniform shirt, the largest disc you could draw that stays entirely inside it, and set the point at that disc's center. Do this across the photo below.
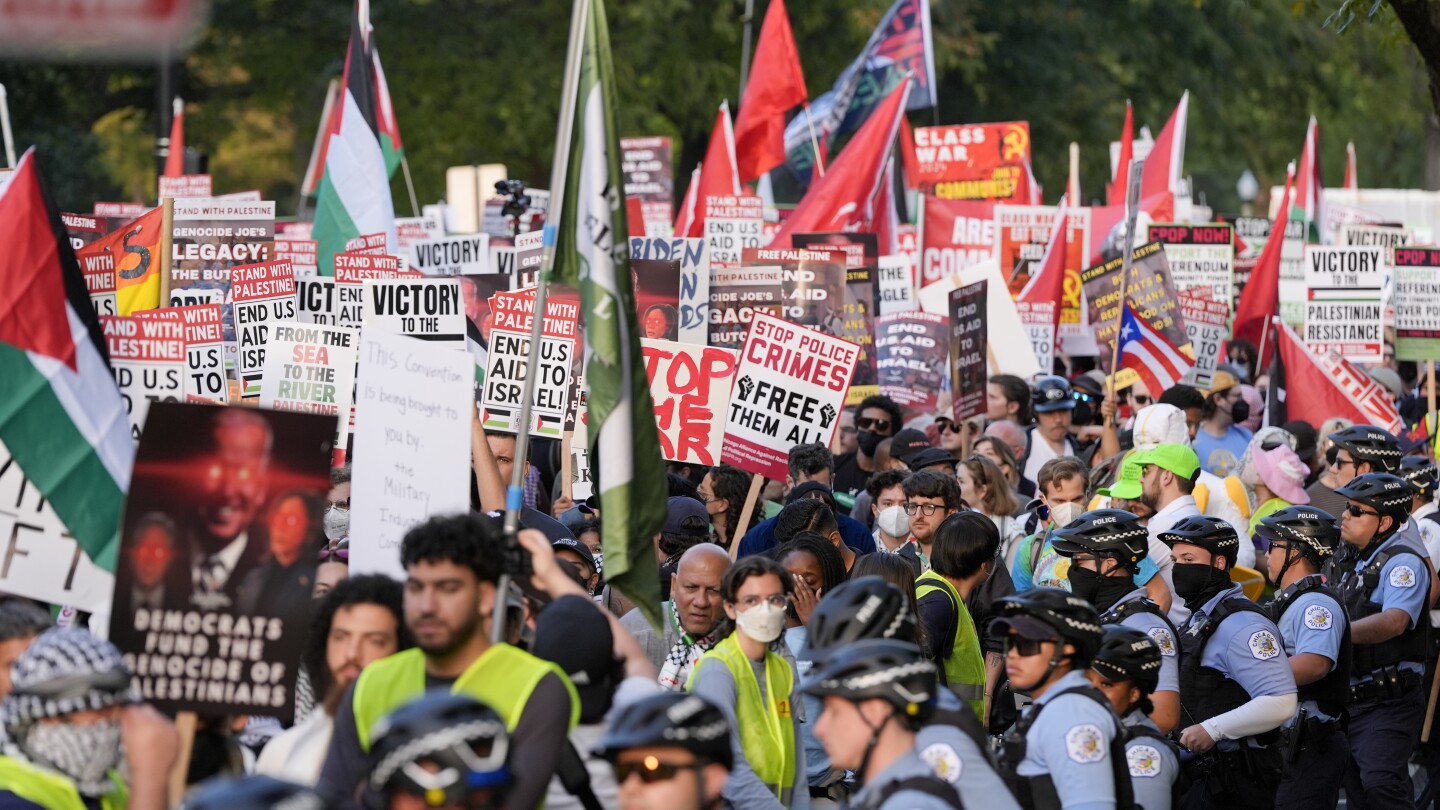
(1071, 742)
(1153, 765)
(954, 757)
(1313, 623)
(1245, 647)
(1402, 585)
(1156, 628)
(909, 765)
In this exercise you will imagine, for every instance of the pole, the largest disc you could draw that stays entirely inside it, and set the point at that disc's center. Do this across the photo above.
(5, 128)
(1073, 190)
(1132, 210)
(409, 185)
(167, 230)
(164, 95)
(814, 142)
(185, 723)
(1430, 414)
(749, 21)
(757, 482)
(560, 167)
(313, 169)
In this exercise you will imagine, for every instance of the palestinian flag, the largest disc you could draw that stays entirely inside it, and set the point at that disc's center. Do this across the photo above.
(390, 143)
(61, 415)
(354, 196)
(1305, 205)
(133, 252)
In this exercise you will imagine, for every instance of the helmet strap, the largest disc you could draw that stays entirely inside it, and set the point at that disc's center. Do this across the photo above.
(875, 731)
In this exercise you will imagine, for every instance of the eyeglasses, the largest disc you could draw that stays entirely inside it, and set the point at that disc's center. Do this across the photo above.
(1345, 462)
(703, 498)
(866, 423)
(1354, 511)
(339, 551)
(775, 600)
(339, 506)
(1026, 647)
(651, 770)
(926, 509)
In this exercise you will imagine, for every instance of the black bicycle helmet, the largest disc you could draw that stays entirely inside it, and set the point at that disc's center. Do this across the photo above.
(894, 671)
(461, 735)
(1368, 443)
(1073, 619)
(1104, 531)
(860, 609)
(670, 720)
(1210, 533)
(1128, 654)
(1053, 393)
(1385, 493)
(1421, 474)
(255, 793)
(1315, 529)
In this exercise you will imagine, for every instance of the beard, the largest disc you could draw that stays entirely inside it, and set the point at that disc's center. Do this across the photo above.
(452, 641)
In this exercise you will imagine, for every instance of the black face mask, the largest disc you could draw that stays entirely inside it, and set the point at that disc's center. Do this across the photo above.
(1196, 583)
(1097, 589)
(869, 441)
(1240, 411)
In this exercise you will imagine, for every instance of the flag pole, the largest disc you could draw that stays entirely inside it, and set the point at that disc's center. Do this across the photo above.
(515, 493)
(311, 180)
(1132, 211)
(749, 21)
(5, 128)
(167, 231)
(409, 185)
(814, 142)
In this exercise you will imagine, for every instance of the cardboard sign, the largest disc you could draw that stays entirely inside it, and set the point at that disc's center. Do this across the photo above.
(1038, 318)
(425, 308)
(1344, 310)
(210, 238)
(502, 393)
(1150, 293)
(968, 336)
(452, 256)
(647, 165)
(1022, 232)
(205, 627)
(148, 358)
(351, 272)
(733, 224)
(790, 386)
(690, 386)
(694, 280)
(186, 186)
(412, 417)
(957, 234)
(1205, 320)
(1201, 257)
(311, 369)
(1293, 292)
(1381, 236)
(205, 379)
(264, 294)
(373, 244)
(974, 161)
(100, 281)
(895, 285)
(1417, 303)
(301, 253)
(910, 357)
(736, 295)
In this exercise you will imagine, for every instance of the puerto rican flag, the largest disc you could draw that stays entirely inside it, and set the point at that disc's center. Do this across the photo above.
(1144, 350)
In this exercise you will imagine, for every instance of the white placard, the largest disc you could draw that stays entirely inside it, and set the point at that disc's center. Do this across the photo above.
(1344, 309)
(452, 256)
(426, 308)
(895, 290)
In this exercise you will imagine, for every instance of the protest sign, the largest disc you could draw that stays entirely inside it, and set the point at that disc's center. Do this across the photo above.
(956, 234)
(647, 166)
(1008, 347)
(1250, 236)
(147, 356)
(689, 385)
(295, 230)
(1293, 293)
(657, 297)
(475, 294)
(521, 260)
(301, 253)
(425, 308)
(452, 256)
(263, 294)
(122, 211)
(100, 280)
(732, 224)
(974, 161)
(1344, 312)
(210, 237)
(204, 627)
(1022, 232)
(311, 369)
(856, 321)
(1150, 293)
(895, 285)
(790, 387)
(371, 244)
(968, 343)
(1417, 303)
(1335, 217)
(1201, 257)
(204, 350)
(502, 391)
(351, 272)
(409, 230)
(1038, 318)
(316, 301)
(1205, 320)
(82, 229)
(694, 280)
(736, 294)
(1381, 236)
(910, 358)
(186, 186)
(412, 417)
(251, 195)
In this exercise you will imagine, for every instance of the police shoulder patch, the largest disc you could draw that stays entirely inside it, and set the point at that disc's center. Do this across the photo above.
(1317, 617)
(943, 760)
(1402, 576)
(1085, 744)
(1163, 640)
(1144, 760)
(1263, 645)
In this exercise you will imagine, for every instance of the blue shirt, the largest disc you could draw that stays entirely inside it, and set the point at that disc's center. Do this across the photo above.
(817, 762)
(1052, 569)
(1070, 741)
(1221, 456)
(1153, 766)
(1404, 584)
(852, 533)
(1156, 628)
(955, 758)
(1313, 623)
(1246, 648)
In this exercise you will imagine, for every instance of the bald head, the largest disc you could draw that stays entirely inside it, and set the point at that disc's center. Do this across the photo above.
(696, 588)
(1010, 433)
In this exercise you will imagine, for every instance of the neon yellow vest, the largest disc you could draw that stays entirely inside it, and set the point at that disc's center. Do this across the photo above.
(51, 790)
(502, 678)
(767, 729)
(965, 666)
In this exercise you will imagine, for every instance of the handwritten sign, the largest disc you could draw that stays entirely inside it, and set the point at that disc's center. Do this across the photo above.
(694, 279)
(690, 386)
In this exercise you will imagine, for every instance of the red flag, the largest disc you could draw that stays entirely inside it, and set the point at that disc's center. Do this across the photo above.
(175, 159)
(844, 199)
(776, 85)
(1325, 386)
(1048, 281)
(1115, 193)
(1163, 168)
(1261, 297)
(1352, 178)
(718, 175)
(686, 215)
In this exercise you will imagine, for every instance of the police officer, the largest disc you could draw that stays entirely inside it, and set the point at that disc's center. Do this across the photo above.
(1106, 548)
(1236, 688)
(670, 751)
(441, 750)
(1316, 637)
(1127, 669)
(1068, 743)
(877, 694)
(1385, 587)
(951, 738)
(1420, 472)
(254, 793)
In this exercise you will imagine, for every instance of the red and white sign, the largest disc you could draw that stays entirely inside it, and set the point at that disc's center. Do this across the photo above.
(190, 186)
(957, 235)
(1205, 320)
(147, 356)
(204, 350)
(120, 29)
(690, 386)
(263, 294)
(370, 243)
(733, 224)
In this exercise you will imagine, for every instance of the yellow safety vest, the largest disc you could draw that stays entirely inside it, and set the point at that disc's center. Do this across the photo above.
(965, 666)
(767, 728)
(502, 678)
(52, 790)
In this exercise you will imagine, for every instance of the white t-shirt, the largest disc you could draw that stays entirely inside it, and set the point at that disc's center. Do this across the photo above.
(297, 754)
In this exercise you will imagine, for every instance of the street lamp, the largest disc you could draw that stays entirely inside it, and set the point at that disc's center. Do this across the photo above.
(1247, 187)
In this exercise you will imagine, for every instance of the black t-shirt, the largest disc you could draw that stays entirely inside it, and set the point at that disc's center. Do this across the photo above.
(848, 477)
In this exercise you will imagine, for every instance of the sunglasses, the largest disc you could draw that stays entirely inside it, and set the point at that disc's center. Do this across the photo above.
(946, 426)
(866, 423)
(1354, 511)
(1142, 399)
(337, 552)
(1026, 647)
(651, 770)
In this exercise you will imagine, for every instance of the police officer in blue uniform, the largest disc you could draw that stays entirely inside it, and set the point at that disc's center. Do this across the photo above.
(951, 740)
(1126, 670)
(1384, 584)
(1067, 750)
(1316, 637)
(1236, 688)
(1106, 548)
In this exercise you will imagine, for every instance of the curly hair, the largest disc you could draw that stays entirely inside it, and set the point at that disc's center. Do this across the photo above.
(362, 589)
(887, 405)
(471, 540)
(832, 565)
(733, 485)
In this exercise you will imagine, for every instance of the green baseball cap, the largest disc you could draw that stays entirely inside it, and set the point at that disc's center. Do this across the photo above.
(1128, 486)
(1177, 458)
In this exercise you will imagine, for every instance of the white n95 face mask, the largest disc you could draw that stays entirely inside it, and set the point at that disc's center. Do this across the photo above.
(893, 521)
(763, 623)
(1064, 513)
